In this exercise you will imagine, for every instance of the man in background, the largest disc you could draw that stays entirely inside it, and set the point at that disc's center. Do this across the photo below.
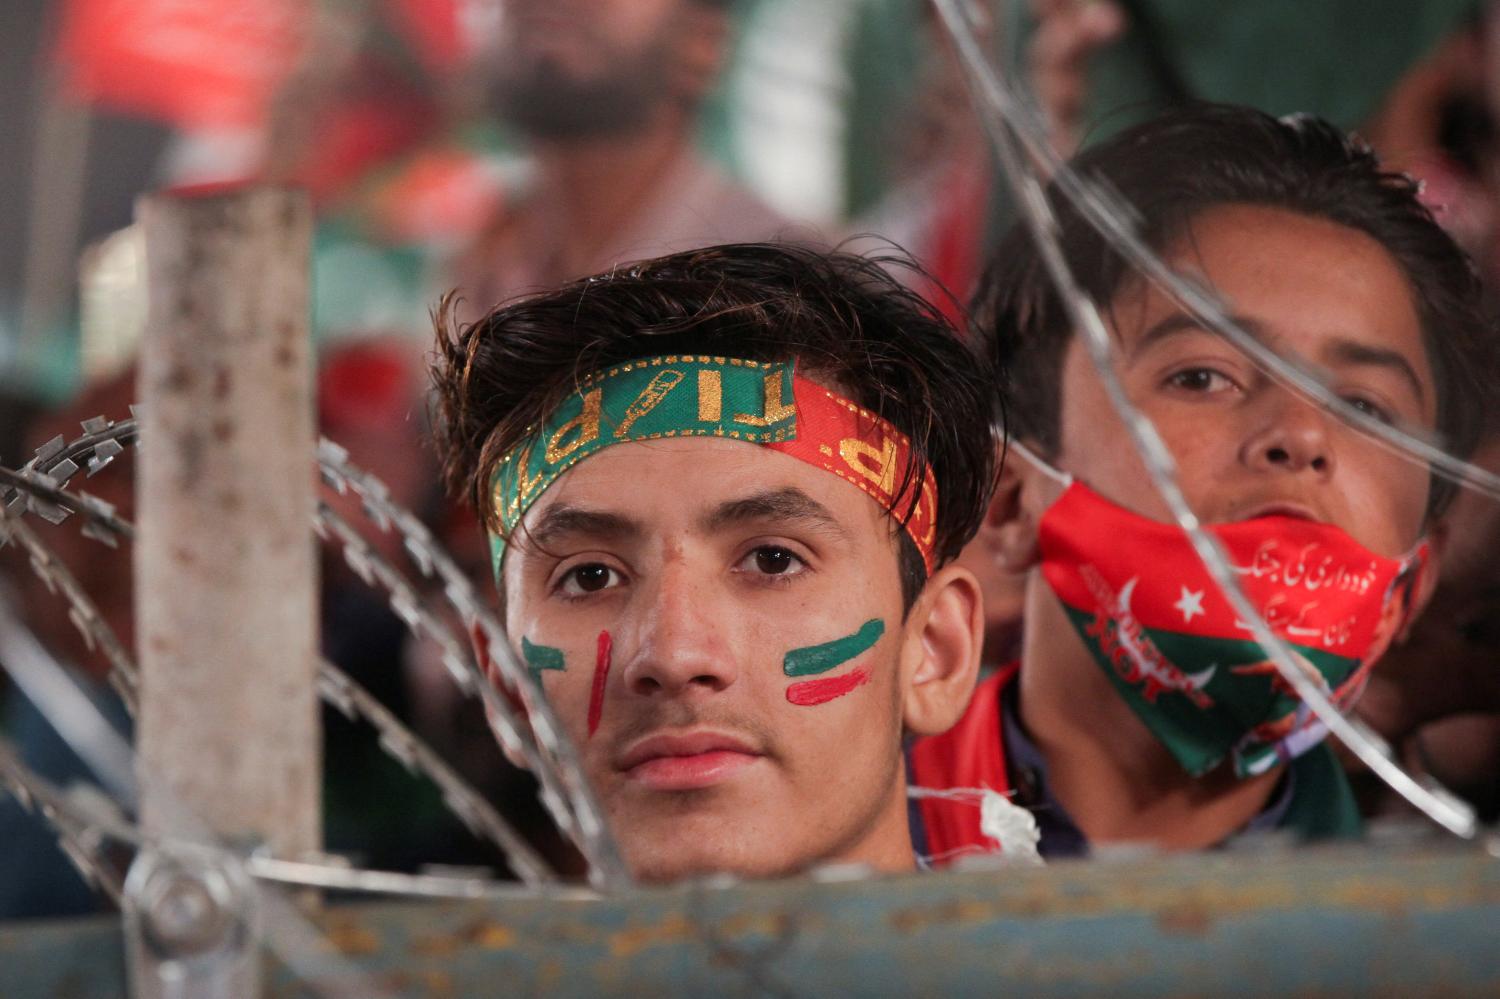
(607, 93)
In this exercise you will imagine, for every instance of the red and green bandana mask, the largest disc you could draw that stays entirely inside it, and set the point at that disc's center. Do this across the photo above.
(1155, 622)
(700, 396)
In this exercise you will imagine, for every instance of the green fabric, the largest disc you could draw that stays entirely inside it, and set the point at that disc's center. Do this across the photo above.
(884, 55)
(1322, 805)
(647, 399)
(1335, 58)
(361, 286)
(1200, 735)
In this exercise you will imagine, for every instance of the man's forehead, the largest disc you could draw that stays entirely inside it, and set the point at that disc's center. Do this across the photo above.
(1304, 285)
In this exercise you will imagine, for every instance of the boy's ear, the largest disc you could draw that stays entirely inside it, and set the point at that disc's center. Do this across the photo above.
(1427, 580)
(497, 682)
(1010, 524)
(941, 644)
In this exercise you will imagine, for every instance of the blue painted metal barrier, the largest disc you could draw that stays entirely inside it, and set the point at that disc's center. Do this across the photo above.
(1315, 922)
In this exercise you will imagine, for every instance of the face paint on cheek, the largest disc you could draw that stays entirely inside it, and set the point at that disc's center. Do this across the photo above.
(815, 659)
(540, 657)
(821, 691)
(601, 674)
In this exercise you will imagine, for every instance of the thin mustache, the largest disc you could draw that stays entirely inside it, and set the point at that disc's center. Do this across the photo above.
(678, 717)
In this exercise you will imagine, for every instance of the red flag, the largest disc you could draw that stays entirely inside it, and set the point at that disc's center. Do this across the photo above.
(195, 63)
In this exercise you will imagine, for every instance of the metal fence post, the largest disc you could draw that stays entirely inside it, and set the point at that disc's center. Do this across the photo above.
(225, 568)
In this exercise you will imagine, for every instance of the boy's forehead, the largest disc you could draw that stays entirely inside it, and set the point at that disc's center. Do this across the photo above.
(1304, 285)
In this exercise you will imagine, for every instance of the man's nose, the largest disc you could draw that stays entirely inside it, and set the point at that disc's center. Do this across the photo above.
(1288, 434)
(681, 647)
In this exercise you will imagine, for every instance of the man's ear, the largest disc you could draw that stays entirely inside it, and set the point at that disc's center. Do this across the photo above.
(941, 644)
(493, 677)
(1011, 521)
(1427, 579)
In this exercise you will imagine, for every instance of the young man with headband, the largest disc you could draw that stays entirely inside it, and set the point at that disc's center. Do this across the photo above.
(723, 489)
(1141, 708)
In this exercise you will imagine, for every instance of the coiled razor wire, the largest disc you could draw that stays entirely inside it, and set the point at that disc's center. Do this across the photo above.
(80, 839)
(564, 789)
(334, 686)
(37, 488)
(1015, 135)
(86, 821)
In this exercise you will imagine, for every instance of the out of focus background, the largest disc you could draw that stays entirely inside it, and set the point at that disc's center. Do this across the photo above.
(500, 146)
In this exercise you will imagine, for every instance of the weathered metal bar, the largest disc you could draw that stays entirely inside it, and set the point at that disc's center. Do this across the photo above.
(1324, 922)
(225, 570)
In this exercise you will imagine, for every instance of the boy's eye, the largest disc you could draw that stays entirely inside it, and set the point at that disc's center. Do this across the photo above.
(772, 560)
(590, 578)
(1369, 408)
(1200, 380)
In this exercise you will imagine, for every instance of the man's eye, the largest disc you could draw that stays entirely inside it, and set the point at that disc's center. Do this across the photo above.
(772, 560)
(1200, 380)
(1369, 408)
(590, 578)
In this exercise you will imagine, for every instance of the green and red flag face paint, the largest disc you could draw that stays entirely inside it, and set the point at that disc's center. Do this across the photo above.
(729, 397)
(540, 657)
(1155, 622)
(815, 660)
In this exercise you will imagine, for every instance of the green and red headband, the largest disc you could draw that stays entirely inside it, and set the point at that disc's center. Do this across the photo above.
(699, 396)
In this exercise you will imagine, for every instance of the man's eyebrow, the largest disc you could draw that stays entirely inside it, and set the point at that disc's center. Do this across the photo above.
(1339, 351)
(562, 520)
(788, 504)
(1344, 351)
(1183, 322)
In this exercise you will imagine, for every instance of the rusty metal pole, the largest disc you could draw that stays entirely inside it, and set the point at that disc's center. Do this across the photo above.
(225, 568)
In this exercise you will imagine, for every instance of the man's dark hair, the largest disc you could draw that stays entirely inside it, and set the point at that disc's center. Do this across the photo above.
(1199, 156)
(843, 318)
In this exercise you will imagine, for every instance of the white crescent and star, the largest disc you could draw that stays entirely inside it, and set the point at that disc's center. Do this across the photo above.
(1191, 605)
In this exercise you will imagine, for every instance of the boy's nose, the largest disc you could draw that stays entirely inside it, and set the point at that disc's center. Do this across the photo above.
(681, 646)
(1289, 435)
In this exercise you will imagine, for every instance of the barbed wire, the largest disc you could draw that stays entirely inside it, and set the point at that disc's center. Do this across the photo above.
(478, 816)
(85, 821)
(335, 686)
(564, 790)
(59, 580)
(79, 838)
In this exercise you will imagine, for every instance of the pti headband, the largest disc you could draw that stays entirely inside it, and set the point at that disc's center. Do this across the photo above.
(698, 396)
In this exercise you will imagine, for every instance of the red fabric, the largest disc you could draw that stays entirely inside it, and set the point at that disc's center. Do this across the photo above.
(970, 754)
(958, 239)
(859, 447)
(441, 194)
(1314, 585)
(190, 63)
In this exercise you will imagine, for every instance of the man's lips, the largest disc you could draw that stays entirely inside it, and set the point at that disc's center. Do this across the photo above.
(685, 761)
(1297, 511)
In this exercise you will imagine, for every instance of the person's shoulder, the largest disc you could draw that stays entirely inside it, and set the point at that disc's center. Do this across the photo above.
(724, 204)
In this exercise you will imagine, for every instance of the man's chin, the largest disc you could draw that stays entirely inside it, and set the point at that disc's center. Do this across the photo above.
(657, 867)
(701, 844)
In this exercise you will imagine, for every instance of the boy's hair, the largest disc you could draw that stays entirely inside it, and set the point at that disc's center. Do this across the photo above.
(1200, 156)
(842, 318)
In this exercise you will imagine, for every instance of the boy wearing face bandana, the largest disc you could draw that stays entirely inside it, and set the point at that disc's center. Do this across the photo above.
(1141, 710)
